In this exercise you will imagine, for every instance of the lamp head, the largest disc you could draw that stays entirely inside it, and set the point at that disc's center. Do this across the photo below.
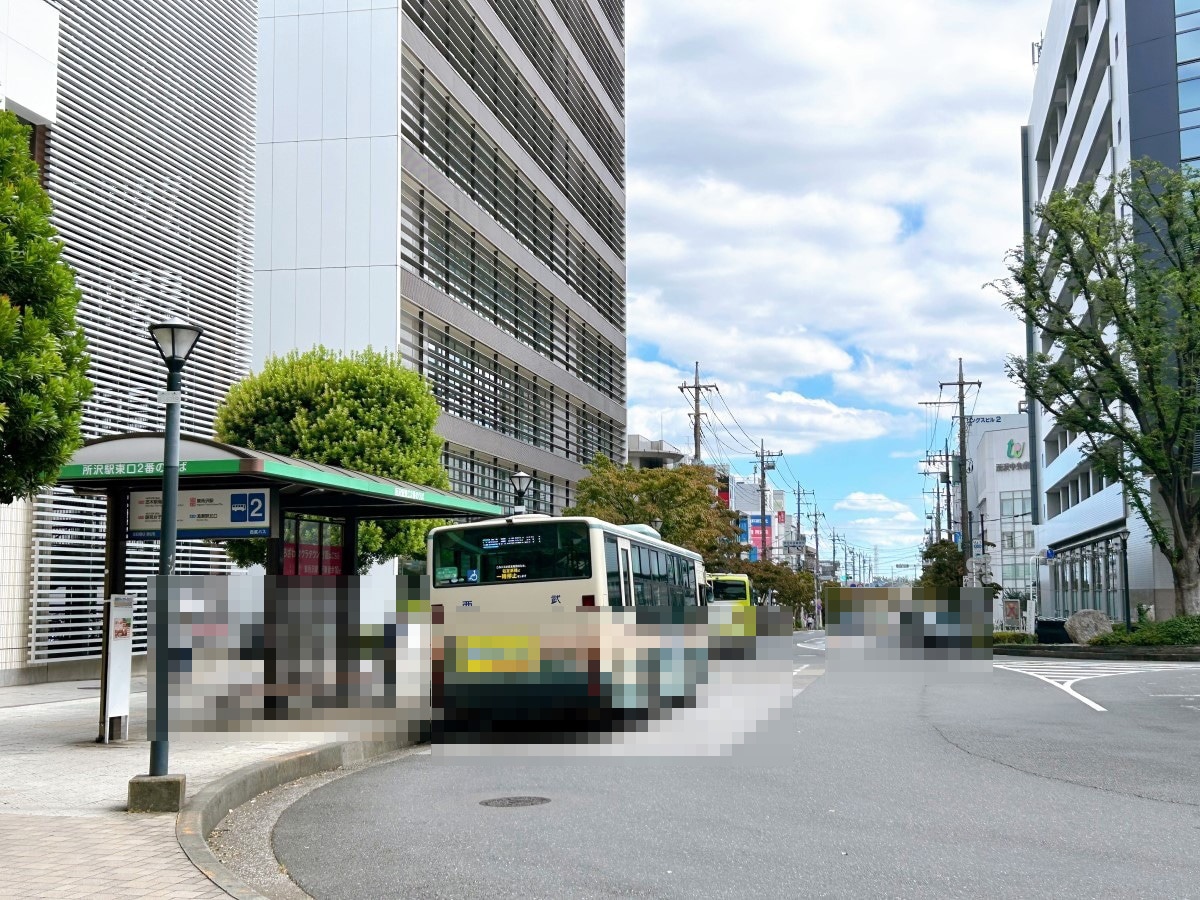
(1125, 535)
(175, 340)
(656, 524)
(520, 483)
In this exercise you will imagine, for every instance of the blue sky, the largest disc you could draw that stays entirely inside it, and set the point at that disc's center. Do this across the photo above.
(817, 193)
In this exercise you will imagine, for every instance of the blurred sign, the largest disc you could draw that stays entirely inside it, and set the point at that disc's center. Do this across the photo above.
(760, 533)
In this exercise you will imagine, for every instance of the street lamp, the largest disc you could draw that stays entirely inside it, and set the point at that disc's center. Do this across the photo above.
(656, 524)
(520, 483)
(175, 342)
(1125, 577)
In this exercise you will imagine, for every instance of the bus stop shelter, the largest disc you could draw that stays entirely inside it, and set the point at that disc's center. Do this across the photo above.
(229, 492)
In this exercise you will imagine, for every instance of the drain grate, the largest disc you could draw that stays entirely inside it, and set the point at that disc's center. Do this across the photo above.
(515, 801)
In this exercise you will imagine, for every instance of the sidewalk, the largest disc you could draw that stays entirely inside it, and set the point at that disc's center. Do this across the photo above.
(64, 831)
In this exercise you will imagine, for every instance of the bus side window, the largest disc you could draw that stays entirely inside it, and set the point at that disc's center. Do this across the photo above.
(640, 560)
(616, 596)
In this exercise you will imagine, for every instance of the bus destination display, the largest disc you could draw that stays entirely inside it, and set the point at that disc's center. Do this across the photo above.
(510, 540)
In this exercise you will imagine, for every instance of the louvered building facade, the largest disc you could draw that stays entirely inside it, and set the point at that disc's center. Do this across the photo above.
(445, 178)
(149, 162)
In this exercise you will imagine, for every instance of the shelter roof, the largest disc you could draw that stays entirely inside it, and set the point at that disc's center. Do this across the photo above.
(135, 462)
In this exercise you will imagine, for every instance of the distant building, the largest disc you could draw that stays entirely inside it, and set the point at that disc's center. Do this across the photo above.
(998, 491)
(644, 453)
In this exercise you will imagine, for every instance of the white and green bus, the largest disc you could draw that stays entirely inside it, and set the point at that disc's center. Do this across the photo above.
(534, 612)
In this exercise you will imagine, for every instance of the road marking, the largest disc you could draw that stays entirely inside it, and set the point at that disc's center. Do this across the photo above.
(799, 670)
(1064, 673)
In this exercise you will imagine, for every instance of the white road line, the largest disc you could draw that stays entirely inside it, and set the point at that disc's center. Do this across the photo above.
(799, 670)
(1064, 686)
(1064, 674)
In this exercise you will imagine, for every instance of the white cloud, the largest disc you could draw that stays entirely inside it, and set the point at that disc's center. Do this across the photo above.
(816, 194)
(774, 161)
(858, 500)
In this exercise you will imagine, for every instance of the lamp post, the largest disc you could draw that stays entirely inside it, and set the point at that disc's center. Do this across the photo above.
(520, 483)
(175, 342)
(656, 524)
(1125, 577)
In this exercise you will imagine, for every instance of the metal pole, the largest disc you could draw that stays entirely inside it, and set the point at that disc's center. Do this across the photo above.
(1125, 581)
(159, 744)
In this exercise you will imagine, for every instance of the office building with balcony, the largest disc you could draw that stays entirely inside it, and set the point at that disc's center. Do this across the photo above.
(1116, 81)
(444, 179)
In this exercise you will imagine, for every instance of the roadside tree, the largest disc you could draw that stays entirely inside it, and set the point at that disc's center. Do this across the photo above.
(1112, 282)
(685, 498)
(944, 568)
(364, 411)
(43, 358)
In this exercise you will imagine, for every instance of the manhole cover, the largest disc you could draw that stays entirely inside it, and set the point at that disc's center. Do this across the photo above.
(515, 801)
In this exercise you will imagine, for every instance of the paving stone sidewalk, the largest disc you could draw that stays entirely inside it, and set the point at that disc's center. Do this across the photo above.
(64, 831)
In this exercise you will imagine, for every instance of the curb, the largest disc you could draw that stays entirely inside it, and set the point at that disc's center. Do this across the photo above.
(203, 812)
(1079, 651)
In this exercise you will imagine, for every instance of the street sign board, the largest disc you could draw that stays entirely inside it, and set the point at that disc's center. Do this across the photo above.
(793, 545)
(225, 513)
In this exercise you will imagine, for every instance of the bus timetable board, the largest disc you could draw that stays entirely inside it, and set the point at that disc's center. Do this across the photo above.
(223, 513)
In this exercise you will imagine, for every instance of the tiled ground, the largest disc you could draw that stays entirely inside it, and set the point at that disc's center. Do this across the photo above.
(64, 831)
(115, 856)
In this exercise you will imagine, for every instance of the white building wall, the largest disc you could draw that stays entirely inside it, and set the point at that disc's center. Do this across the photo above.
(326, 263)
(29, 58)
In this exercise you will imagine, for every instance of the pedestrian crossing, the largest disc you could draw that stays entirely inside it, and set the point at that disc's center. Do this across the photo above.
(1064, 673)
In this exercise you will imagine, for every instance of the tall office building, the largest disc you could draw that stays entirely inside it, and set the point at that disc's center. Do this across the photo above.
(1117, 80)
(149, 163)
(445, 179)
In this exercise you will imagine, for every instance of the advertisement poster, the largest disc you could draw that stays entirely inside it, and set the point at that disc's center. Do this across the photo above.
(760, 534)
(119, 661)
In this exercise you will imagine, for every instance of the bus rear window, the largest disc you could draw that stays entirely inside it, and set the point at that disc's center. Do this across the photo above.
(542, 551)
(729, 590)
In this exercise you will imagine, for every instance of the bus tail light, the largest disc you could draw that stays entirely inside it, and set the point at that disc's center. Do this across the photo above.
(439, 613)
(589, 599)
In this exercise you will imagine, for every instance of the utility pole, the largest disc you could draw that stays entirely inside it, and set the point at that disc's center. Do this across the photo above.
(764, 457)
(815, 516)
(696, 389)
(962, 456)
(800, 494)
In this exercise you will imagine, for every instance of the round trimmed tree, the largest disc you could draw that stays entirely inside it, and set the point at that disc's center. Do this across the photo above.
(43, 358)
(362, 411)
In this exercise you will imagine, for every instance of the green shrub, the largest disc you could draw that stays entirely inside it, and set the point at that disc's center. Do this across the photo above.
(1112, 639)
(1012, 637)
(1182, 630)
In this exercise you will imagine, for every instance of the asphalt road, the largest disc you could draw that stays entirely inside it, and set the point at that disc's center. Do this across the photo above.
(891, 788)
